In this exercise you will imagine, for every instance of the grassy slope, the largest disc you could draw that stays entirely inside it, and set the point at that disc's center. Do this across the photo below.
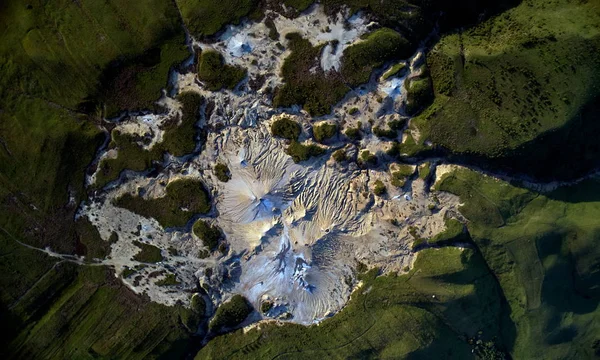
(207, 17)
(513, 77)
(51, 58)
(544, 252)
(390, 317)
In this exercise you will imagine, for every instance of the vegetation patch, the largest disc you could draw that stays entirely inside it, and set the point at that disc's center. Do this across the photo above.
(366, 158)
(206, 17)
(222, 172)
(210, 235)
(394, 70)
(231, 313)
(379, 188)
(179, 139)
(324, 131)
(286, 128)
(315, 90)
(300, 152)
(148, 253)
(215, 74)
(359, 60)
(169, 280)
(340, 155)
(183, 199)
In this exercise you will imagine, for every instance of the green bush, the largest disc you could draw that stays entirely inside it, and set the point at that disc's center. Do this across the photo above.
(185, 193)
(359, 60)
(379, 188)
(217, 75)
(209, 234)
(286, 128)
(385, 133)
(353, 134)
(231, 313)
(324, 131)
(148, 253)
(353, 111)
(222, 172)
(419, 94)
(265, 306)
(300, 152)
(340, 155)
(366, 158)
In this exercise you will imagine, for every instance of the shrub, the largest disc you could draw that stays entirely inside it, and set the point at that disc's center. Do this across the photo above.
(265, 306)
(353, 111)
(324, 131)
(231, 313)
(222, 172)
(169, 280)
(340, 155)
(300, 152)
(286, 128)
(382, 133)
(217, 75)
(419, 94)
(209, 234)
(148, 253)
(353, 134)
(367, 158)
(379, 188)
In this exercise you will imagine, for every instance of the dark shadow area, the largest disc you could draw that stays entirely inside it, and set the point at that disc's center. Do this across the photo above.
(566, 153)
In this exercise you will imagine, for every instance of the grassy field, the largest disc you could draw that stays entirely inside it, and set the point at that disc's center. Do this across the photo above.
(447, 298)
(206, 17)
(506, 81)
(543, 249)
(55, 62)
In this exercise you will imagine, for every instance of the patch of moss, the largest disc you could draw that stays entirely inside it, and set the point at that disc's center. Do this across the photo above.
(217, 75)
(419, 94)
(353, 134)
(394, 70)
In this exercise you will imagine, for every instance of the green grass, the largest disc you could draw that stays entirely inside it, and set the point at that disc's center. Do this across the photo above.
(544, 250)
(300, 152)
(514, 77)
(324, 131)
(209, 234)
(448, 296)
(286, 128)
(378, 47)
(231, 313)
(183, 199)
(206, 17)
(316, 91)
(353, 134)
(85, 315)
(419, 94)
(217, 75)
(400, 173)
(454, 231)
(179, 139)
(148, 253)
(367, 159)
